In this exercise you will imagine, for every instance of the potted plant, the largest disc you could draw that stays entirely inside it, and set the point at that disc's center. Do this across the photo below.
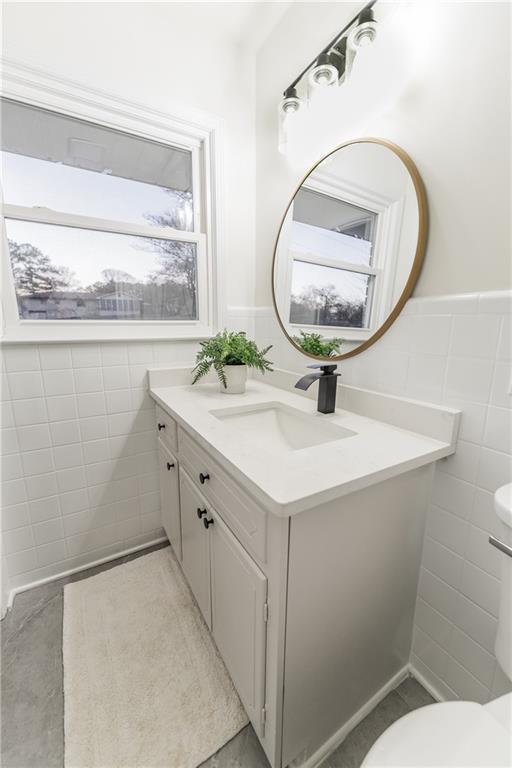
(230, 353)
(314, 344)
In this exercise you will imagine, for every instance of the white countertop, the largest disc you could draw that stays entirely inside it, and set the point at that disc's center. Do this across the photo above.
(289, 482)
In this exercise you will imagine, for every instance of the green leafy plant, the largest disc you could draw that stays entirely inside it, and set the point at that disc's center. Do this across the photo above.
(314, 344)
(229, 348)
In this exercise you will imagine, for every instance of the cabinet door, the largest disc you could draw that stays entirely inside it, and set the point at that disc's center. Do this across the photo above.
(239, 615)
(170, 497)
(195, 544)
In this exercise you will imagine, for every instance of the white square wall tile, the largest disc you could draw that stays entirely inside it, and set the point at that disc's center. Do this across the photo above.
(431, 334)
(119, 401)
(429, 652)
(91, 405)
(453, 494)
(479, 552)
(475, 622)
(479, 662)
(483, 514)
(116, 377)
(93, 428)
(433, 623)
(50, 530)
(41, 486)
(28, 384)
(472, 423)
(17, 540)
(9, 441)
(88, 380)
(11, 467)
(139, 353)
(501, 392)
(480, 588)
(65, 432)
(44, 509)
(58, 383)
(442, 562)
(494, 470)
(86, 355)
(425, 378)
(38, 462)
(498, 429)
(15, 516)
(475, 336)
(21, 562)
(54, 356)
(22, 358)
(29, 412)
(51, 553)
(469, 379)
(114, 354)
(71, 479)
(464, 684)
(34, 437)
(68, 456)
(96, 451)
(505, 343)
(446, 528)
(6, 415)
(463, 463)
(74, 501)
(62, 408)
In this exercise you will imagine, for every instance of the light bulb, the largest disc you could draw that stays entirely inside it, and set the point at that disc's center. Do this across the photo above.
(290, 102)
(365, 32)
(324, 73)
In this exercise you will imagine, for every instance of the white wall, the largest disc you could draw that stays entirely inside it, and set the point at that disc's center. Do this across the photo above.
(452, 117)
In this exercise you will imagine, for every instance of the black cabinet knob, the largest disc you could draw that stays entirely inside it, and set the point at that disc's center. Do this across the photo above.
(200, 512)
(169, 465)
(203, 478)
(160, 427)
(207, 522)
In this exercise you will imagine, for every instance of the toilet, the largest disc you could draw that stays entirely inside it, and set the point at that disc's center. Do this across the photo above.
(460, 733)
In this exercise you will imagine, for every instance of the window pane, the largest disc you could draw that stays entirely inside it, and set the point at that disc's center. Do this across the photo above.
(328, 296)
(72, 166)
(332, 229)
(66, 273)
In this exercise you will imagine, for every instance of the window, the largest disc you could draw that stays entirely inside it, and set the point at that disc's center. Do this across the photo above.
(332, 270)
(106, 228)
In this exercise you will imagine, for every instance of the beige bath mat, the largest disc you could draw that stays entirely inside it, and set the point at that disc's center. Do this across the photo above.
(144, 685)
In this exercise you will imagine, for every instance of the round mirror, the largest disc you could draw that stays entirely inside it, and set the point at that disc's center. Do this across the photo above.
(349, 249)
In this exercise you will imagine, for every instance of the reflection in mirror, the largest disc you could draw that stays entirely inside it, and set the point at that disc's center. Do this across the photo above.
(350, 240)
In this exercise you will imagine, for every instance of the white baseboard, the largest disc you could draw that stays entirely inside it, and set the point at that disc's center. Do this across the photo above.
(70, 571)
(434, 692)
(328, 747)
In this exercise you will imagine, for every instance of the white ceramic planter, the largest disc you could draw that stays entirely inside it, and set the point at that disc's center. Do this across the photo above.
(236, 377)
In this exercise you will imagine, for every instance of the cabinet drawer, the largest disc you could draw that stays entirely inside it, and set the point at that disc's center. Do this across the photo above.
(245, 518)
(166, 428)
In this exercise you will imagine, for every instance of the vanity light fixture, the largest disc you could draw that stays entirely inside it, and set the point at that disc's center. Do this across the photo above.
(330, 66)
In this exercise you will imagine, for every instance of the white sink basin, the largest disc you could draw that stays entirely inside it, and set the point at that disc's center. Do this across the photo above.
(282, 426)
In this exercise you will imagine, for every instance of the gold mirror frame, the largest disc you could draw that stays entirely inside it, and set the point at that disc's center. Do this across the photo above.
(419, 256)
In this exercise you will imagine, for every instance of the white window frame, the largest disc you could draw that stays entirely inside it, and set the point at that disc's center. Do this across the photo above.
(386, 238)
(198, 133)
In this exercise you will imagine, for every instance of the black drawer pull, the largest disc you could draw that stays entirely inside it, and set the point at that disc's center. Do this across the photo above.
(200, 512)
(203, 478)
(169, 465)
(207, 522)
(160, 427)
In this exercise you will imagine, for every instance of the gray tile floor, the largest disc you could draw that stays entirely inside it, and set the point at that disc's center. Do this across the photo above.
(32, 706)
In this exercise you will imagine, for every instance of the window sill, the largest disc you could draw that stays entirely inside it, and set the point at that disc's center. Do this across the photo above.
(53, 332)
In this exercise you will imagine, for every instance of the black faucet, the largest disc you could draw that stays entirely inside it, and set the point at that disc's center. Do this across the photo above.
(326, 386)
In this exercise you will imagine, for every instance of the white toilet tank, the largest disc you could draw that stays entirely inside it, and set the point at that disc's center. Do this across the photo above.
(503, 646)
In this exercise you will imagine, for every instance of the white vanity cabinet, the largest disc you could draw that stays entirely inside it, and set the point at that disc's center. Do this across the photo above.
(311, 610)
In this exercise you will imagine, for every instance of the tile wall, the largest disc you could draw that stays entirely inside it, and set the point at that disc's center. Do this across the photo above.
(454, 350)
(79, 463)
